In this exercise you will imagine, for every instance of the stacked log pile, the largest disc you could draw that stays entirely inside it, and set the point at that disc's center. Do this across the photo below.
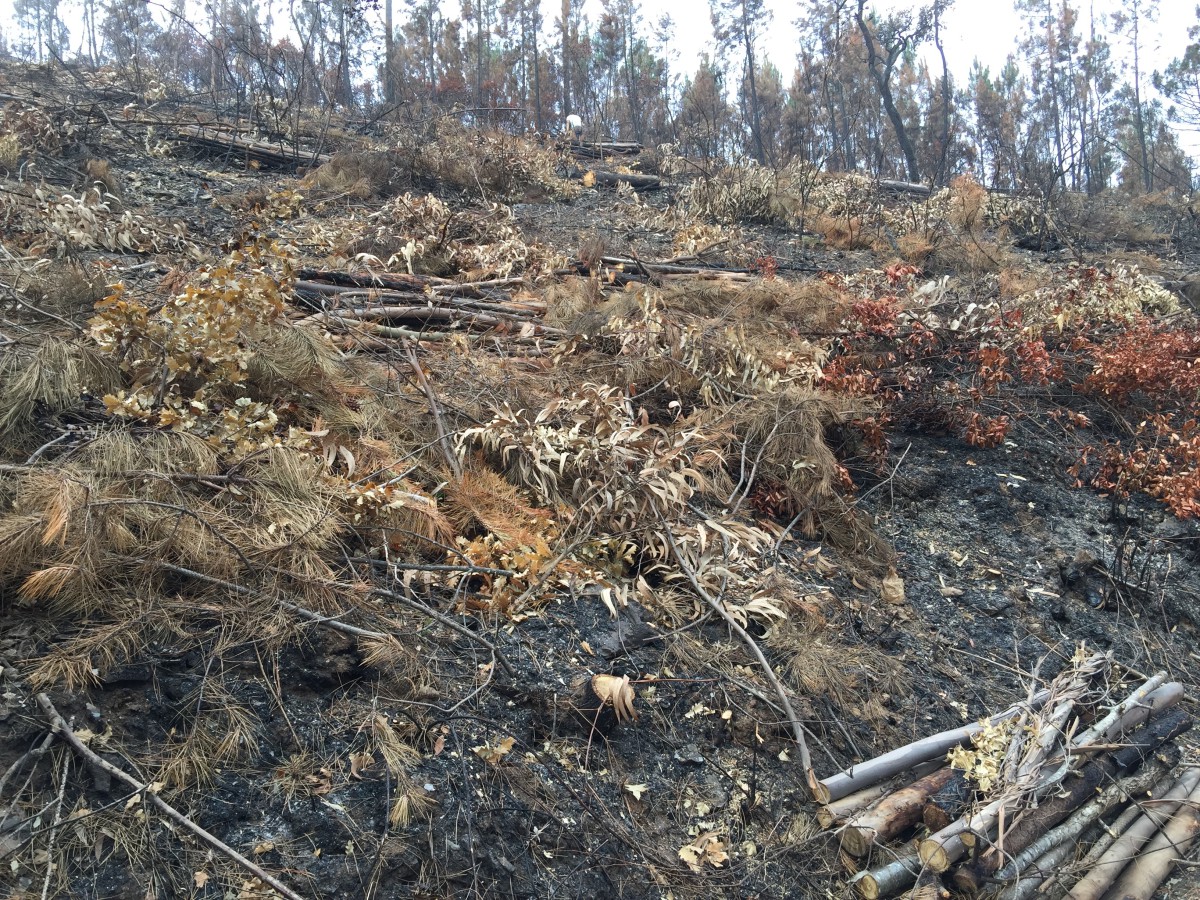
(375, 309)
(1063, 795)
(223, 138)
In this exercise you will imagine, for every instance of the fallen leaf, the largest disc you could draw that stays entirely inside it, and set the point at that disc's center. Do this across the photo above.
(360, 761)
(891, 589)
(617, 693)
(708, 849)
(493, 754)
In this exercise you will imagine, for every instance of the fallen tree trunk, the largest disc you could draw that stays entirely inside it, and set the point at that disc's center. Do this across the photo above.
(1094, 884)
(601, 149)
(893, 815)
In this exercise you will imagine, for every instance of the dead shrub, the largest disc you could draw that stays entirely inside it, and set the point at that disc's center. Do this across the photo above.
(358, 174)
(568, 300)
(968, 203)
(842, 232)
(98, 171)
(500, 165)
(68, 289)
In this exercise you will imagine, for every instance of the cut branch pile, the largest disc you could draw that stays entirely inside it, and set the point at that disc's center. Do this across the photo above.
(1019, 792)
(385, 307)
(226, 139)
(601, 149)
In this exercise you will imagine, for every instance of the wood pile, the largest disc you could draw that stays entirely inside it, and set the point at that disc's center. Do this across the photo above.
(1056, 797)
(222, 138)
(377, 309)
(601, 149)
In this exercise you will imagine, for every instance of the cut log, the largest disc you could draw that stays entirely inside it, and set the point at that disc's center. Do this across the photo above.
(1108, 834)
(905, 187)
(949, 803)
(874, 770)
(637, 182)
(1096, 882)
(1147, 702)
(941, 850)
(888, 880)
(1043, 867)
(838, 812)
(1151, 867)
(393, 280)
(893, 815)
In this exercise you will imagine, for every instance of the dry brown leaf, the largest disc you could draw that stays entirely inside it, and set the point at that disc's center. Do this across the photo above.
(708, 849)
(494, 753)
(617, 693)
(891, 589)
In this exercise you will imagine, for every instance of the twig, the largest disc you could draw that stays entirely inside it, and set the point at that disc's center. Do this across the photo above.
(58, 805)
(81, 749)
(449, 623)
(431, 567)
(20, 762)
(37, 454)
(719, 609)
(436, 409)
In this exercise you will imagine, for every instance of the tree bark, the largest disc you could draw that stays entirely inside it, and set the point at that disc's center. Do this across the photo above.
(881, 73)
(947, 804)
